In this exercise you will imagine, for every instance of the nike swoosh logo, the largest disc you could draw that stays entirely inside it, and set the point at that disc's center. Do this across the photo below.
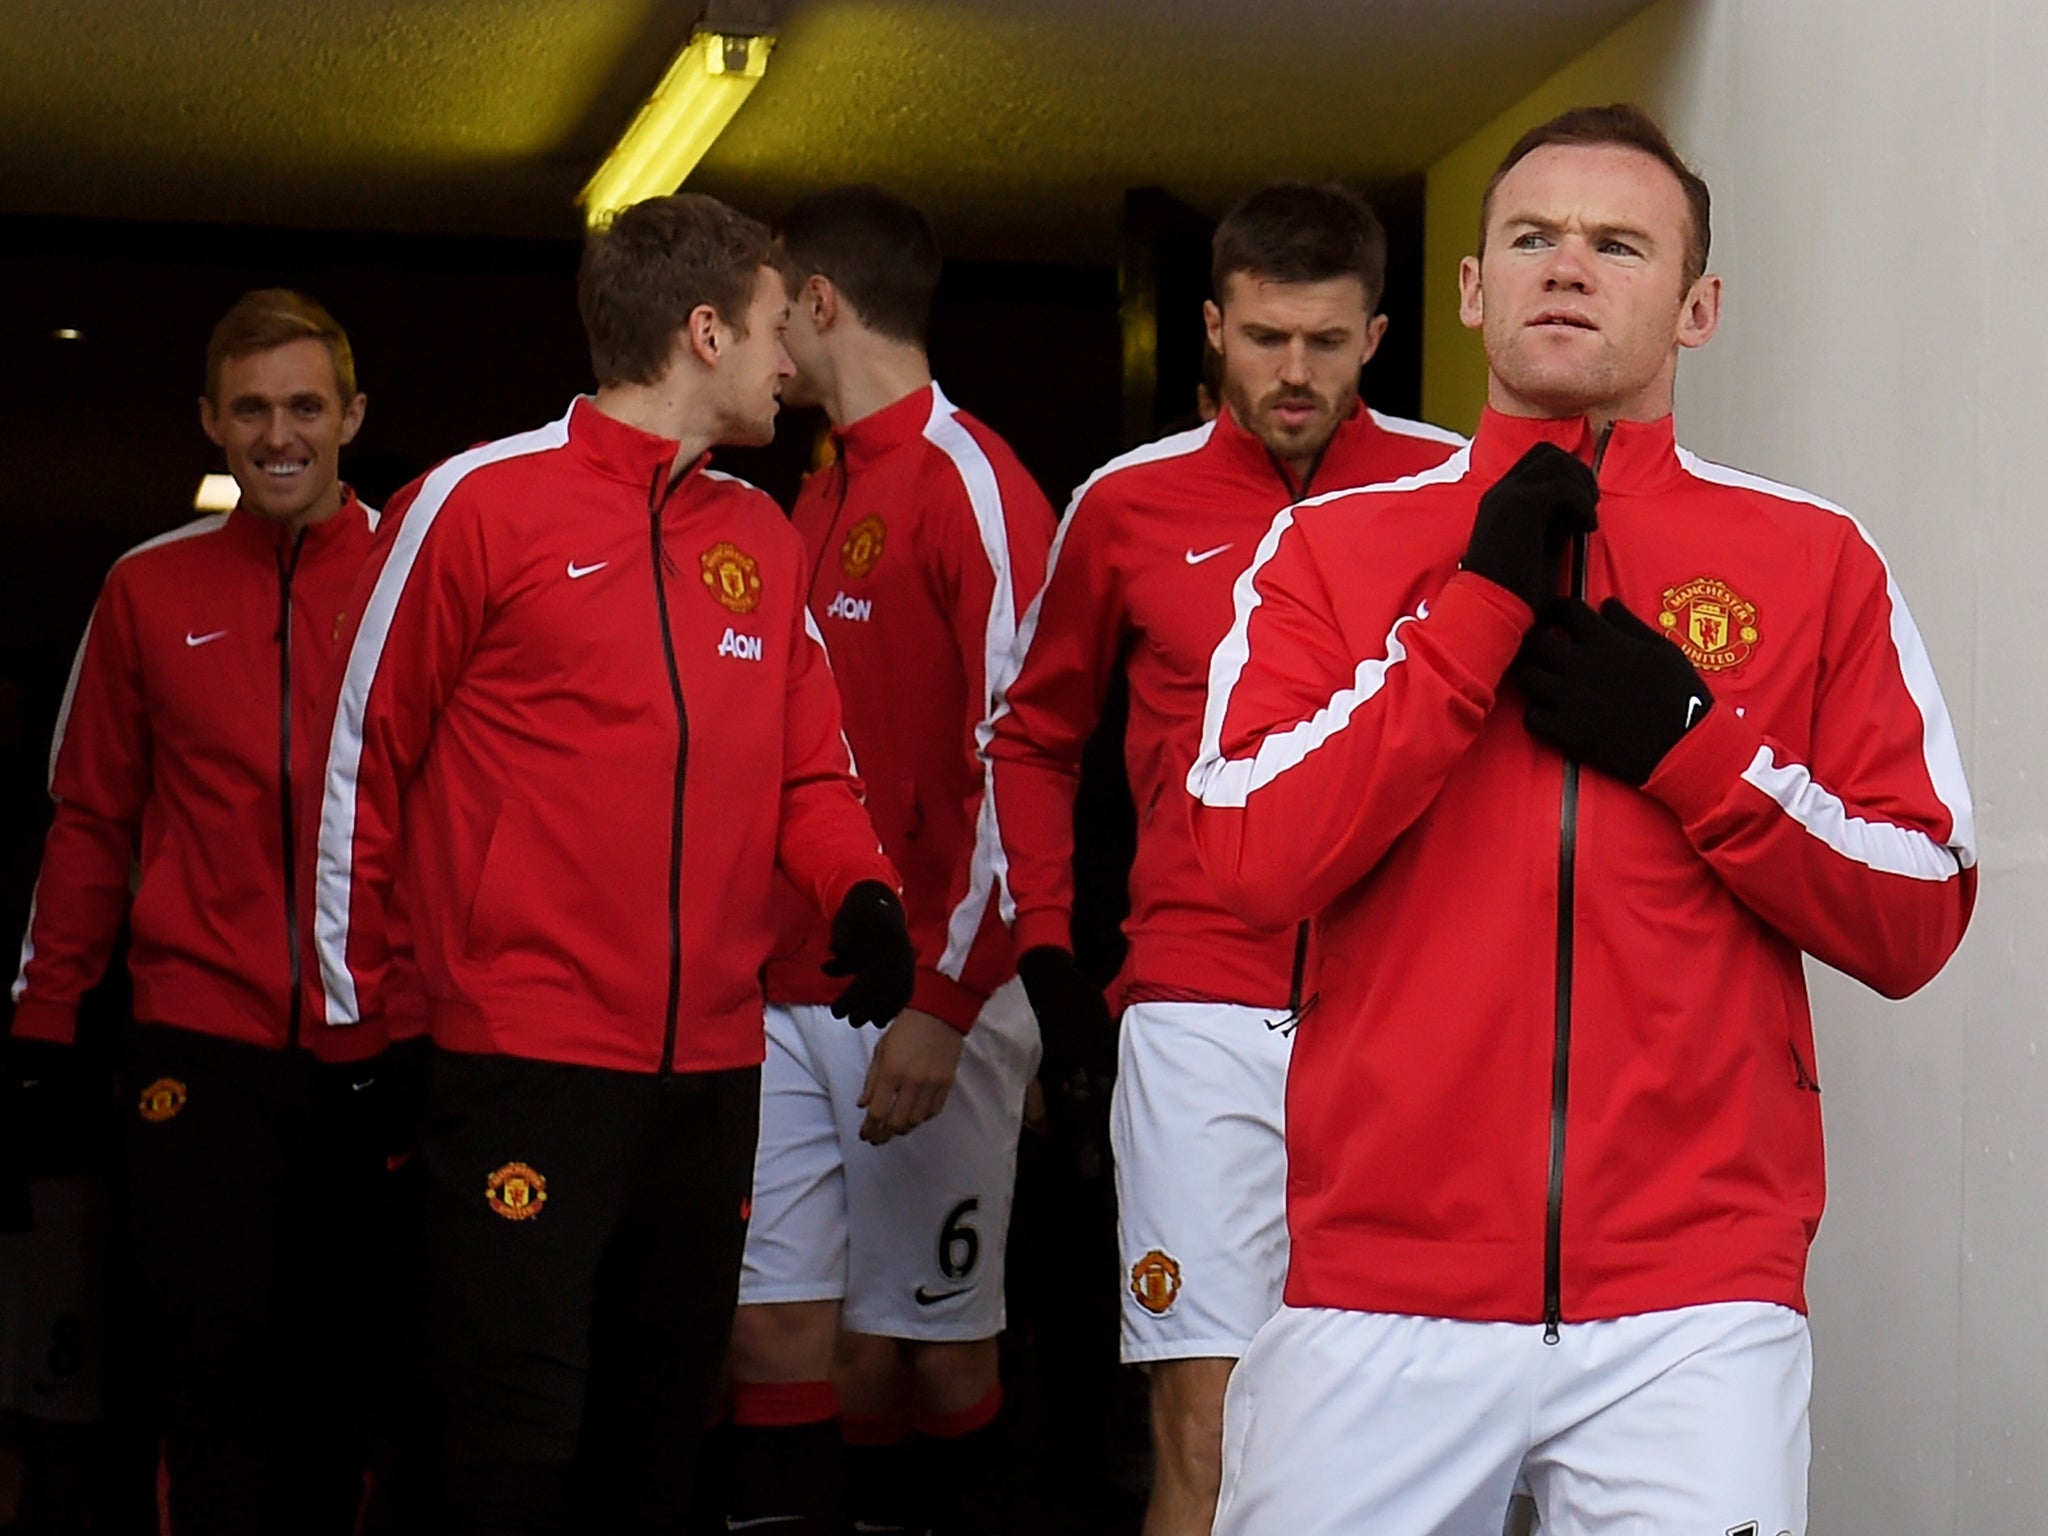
(760, 1520)
(1207, 554)
(1693, 706)
(927, 1298)
(359, 1087)
(205, 639)
(862, 1528)
(577, 573)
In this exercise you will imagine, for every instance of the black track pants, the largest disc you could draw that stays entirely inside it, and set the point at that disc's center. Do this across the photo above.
(257, 1211)
(585, 1229)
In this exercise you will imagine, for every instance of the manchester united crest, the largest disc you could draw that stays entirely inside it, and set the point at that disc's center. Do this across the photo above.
(863, 546)
(161, 1100)
(732, 577)
(1155, 1282)
(516, 1192)
(1713, 625)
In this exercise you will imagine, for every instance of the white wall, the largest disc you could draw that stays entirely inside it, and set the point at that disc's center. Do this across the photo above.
(1881, 218)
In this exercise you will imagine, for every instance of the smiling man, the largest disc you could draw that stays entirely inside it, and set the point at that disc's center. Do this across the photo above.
(1140, 580)
(1568, 751)
(587, 715)
(193, 693)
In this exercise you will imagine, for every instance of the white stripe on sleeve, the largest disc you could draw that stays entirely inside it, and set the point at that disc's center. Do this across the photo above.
(1876, 844)
(1224, 782)
(988, 869)
(334, 852)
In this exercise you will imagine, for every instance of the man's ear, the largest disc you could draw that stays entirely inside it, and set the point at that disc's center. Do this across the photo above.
(1212, 325)
(209, 421)
(706, 334)
(1471, 297)
(1701, 315)
(820, 301)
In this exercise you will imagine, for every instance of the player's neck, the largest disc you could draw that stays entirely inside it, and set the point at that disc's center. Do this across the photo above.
(871, 374)
(669, 408)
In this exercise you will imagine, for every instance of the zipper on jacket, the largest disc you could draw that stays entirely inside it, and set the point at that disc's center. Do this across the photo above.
(657, 498)
(1298, 1007)
(1561, 1049)
(286, 570)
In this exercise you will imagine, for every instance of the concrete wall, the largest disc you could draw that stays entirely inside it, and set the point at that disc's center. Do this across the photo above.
(1881, 218)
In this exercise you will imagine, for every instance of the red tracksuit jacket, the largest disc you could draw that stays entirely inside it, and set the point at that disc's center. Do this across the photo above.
(196, 686)
(1459, 1143)
(926, 540)
(1140, 579)
(590, 708)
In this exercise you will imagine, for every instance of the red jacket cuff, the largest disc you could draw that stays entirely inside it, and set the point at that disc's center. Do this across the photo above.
(1040, 927)
(1695, 774)
(37, 1019)
(946, 999)
(1479, 625)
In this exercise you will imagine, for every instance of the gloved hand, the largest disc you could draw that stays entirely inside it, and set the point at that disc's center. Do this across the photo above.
(1610, 691)
(1078, 1061)
(44, 1093)
(1527, 518)
(871, 943)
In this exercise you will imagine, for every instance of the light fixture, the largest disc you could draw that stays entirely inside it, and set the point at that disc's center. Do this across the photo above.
(704, 87)
(68, 333)
(217, 493)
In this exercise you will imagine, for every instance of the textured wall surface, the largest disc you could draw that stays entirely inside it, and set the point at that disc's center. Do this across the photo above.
(1882, 224)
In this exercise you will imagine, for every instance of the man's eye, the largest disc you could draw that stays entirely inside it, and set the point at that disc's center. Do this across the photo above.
(1530, 240)
(1618, 248)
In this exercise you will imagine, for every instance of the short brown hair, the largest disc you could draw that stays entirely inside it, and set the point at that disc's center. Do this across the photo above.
(1302, 232)
(876, 249)
(650, 266)
(274, 317)
(1628, 126)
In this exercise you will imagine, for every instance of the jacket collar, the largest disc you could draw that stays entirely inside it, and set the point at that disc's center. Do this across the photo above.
(1641, 455)
(350, 523)
(862, 442)
(622, 452)
(1243, 450)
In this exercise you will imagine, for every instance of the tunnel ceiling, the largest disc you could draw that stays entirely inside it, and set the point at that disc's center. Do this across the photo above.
(1017, 123)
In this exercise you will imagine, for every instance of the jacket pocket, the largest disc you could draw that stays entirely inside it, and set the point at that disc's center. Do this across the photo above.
(494, 907)
(1802, 1077)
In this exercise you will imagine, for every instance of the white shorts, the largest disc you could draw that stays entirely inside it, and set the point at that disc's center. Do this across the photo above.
(909, 1235)
(1197, 1123)
(1364, 1424)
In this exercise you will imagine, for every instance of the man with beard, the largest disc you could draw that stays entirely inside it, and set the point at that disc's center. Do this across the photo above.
(1140, 578)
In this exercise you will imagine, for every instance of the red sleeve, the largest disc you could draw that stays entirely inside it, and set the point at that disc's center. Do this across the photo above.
(1067, 651)
(416, 613)
(824, 841)
(1860, 850)
(1333, 722)
(100, 780)
(988, 530)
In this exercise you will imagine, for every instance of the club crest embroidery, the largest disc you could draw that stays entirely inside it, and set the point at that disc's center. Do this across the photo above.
(1711, 623)
(516, 1192)
(1155, 1282)
(863, 546)
(732, 577)
(161, 1100)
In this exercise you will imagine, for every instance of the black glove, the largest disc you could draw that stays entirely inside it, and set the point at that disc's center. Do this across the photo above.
(44, 1099)
(871, 943)
(1610, 690)
(1526, 519)
(1078, 1060)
